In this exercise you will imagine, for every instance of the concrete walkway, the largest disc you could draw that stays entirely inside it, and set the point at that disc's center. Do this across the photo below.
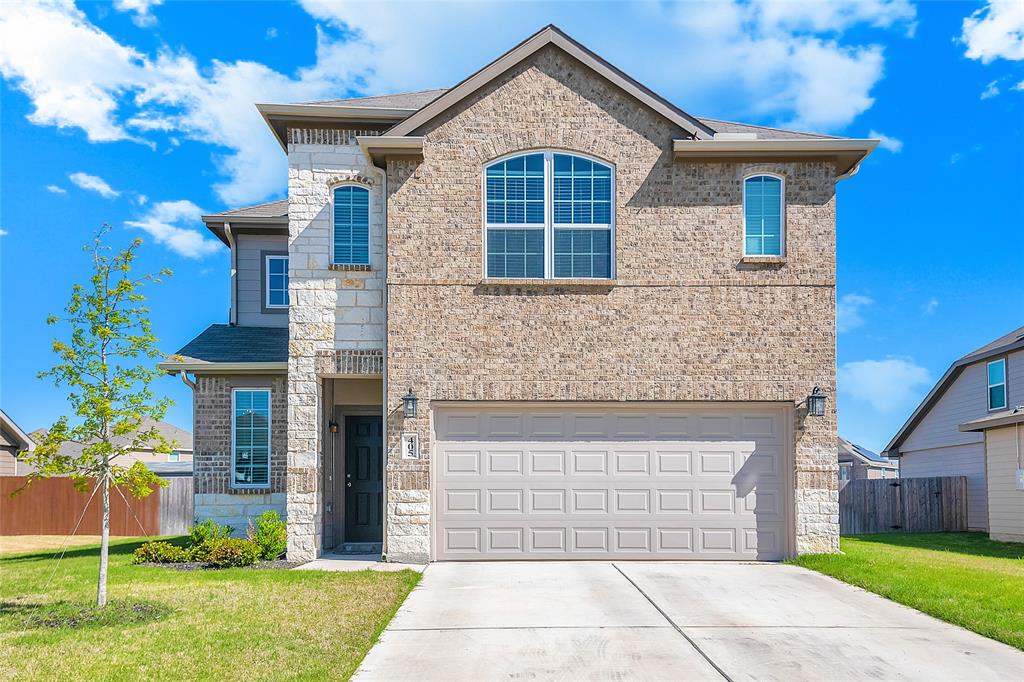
(667, 621)
(355, 562)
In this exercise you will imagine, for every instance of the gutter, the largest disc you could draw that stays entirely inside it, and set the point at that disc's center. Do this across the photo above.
(277, 116)
(848, 153)
(204, 367)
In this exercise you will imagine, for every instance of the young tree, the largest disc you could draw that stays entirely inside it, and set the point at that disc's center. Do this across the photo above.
(106, 367)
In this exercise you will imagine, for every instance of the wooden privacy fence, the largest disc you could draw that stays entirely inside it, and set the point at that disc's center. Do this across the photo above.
(910, 505)
(52, 506)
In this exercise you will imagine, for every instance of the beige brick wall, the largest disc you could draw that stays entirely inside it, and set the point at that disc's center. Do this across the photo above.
(686, 320)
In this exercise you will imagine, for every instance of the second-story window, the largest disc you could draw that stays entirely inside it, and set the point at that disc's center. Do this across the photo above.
(997, 385)
(549, 214)
(276, 286)
(351, 240)
(763, 216)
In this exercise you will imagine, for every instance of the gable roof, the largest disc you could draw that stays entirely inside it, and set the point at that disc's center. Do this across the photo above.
(170, 432)
(12, 434)
(1006, 343)
(849, 451)
(552, 35)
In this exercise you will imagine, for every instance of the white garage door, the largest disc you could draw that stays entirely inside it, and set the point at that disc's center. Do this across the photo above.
(610, 483)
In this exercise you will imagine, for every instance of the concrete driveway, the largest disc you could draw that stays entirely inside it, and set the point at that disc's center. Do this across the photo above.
(661, 621)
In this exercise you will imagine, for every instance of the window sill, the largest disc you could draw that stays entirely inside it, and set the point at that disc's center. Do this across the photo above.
(540, 282)
(349, 267)
(763, 260)
(249, 490)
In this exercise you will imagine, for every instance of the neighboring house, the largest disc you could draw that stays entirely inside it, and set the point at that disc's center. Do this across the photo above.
(856, 462)
(13, 440)
(542, 314)
(181, 454)
(966, 426)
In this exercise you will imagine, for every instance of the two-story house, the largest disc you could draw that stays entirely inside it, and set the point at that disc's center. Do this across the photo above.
(970, 424)
(542, 314)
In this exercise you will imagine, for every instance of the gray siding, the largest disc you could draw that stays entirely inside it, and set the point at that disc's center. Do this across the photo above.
(250, 279)
(961, 460)
(1006, 503)
(937, 447)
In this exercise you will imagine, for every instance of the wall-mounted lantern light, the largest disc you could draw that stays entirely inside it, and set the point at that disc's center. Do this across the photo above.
(816, 403)
(410, 400)
(332, 426)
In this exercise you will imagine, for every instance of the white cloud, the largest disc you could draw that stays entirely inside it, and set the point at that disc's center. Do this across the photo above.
(3, 232)
(167, 222)
(94, 183)
(792, 65)
(995, 31)
(271, 33)
(56, 189)
(140, 8)
(991, 90)
(930, 306)
(887, 143)
(848, 311)
(887, 385)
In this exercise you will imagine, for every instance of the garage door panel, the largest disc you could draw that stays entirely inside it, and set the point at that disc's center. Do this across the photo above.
(585, 490)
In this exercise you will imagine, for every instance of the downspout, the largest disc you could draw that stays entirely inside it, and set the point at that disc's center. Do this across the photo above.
(848, 174)
(384, 360)
(233, 310)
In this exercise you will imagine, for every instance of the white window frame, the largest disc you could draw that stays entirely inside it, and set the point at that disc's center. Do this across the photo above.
(782, 215)
(548, 226)
(173, 456)
(989, 387)
(369, 222)
(847, 468)
(270, 444)
(266, 281)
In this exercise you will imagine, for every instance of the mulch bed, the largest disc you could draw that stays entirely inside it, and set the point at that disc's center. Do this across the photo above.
(202, 566)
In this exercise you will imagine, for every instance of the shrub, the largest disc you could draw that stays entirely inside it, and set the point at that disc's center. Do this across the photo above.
(202, 551)
(208, 530)
(234, 552)
(270, 534)
(160, 553)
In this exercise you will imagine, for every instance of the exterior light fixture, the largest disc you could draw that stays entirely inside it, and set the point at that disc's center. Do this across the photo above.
(332, 426)
(816, 403)
(410, 401)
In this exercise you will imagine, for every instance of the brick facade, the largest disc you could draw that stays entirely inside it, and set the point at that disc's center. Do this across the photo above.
(215, 498)
(685, 320)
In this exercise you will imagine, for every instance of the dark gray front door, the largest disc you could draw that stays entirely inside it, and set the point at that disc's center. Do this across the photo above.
(364, 487)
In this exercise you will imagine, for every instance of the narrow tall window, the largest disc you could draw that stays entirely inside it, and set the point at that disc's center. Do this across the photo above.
(762, 216)
(997, 385)
(276, 285)
(549, 214)
(351, 225)
(250, 436)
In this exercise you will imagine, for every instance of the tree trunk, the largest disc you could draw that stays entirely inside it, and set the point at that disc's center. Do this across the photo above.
(101, 588)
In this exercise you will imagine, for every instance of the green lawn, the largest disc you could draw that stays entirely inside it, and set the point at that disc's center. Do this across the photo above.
(228, 624)
(962, 578)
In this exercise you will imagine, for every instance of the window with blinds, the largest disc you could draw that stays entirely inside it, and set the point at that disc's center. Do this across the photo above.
(351, 225)
(250, 438)
(763, 216)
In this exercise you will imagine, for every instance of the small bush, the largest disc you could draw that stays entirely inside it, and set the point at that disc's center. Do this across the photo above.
(203, 550)
(234, 552)
(270, 534)
(208, 530)
(160, 553)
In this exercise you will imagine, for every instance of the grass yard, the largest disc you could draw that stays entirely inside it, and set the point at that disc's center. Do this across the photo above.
(226, 624)
(962, 578)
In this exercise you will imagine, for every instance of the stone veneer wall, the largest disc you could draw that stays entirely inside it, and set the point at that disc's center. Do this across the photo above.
(686, 320)
(214, 496)
(331, 308)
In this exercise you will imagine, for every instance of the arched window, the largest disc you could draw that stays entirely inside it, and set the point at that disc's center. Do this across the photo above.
(763, 215)
(351, 239)
(549, 214)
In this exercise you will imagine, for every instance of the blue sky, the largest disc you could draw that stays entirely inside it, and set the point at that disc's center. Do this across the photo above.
(139, 114)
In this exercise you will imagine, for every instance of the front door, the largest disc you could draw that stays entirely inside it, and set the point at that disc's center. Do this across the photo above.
(364, 487)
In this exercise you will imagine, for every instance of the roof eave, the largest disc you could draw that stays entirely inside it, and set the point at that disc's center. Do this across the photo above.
(892, 449)
(379, 148)
(1015, 416)
(847, 153)
(278, 116)
(17, 432)
(205, 367)
(551, 35)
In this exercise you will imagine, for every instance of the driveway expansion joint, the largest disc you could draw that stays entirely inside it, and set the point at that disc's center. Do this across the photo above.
(673, 624)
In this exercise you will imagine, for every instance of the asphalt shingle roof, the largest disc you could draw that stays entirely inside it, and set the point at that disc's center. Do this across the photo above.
(225, 343)
(271, 209)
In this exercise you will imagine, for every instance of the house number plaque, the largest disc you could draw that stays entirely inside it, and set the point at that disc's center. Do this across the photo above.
(410, 446)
